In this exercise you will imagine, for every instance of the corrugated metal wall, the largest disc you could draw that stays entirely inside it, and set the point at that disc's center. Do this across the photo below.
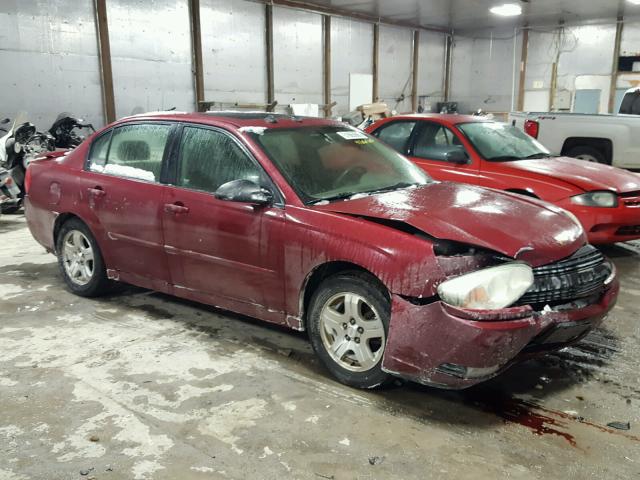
(50, 54)
(394, 64)
(431, 67)
(49, 60)
(584, 57)
(297, 56)
(233, 51)
(351, 52)
(482, 71)
(151, 55)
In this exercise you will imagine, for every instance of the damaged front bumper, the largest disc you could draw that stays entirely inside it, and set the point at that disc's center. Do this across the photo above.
(448, 347)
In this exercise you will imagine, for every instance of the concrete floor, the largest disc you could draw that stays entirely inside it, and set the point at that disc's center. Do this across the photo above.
(145, 386)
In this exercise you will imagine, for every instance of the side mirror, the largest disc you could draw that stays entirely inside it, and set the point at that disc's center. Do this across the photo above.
(457, 156)
(244, 191)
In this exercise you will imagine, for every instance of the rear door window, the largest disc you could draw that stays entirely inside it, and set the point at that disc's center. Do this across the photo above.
(396, 135)
(631, 104)
(134, 151)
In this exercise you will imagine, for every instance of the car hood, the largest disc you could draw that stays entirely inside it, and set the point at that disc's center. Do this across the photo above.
(585, 175)
(518, 227)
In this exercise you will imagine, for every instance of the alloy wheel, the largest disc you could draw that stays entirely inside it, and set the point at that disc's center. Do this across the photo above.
(78, 257)
(352, 332)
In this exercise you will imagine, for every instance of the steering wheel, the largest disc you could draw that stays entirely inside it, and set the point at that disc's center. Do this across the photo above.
(358, 170)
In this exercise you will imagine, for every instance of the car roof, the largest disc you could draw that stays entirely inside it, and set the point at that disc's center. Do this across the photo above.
(237, 119)
(450, 118)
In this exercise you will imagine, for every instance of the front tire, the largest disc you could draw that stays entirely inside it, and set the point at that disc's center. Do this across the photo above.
(348, 321)
(80, 260)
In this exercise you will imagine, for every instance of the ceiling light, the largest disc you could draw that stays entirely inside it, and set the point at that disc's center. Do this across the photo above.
(635, 2)
(507, 10)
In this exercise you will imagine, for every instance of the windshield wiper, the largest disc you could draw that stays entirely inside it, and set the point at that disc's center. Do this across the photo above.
(341, 196)
(537, 155)
(396, 186)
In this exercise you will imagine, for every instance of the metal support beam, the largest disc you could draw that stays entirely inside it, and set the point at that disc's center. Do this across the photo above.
(326, 25)
(269, 43)
(376, 52)
(448, 56)
(524, 56)
(554, 86)
(615, 66)
(196, 57)
(104, 51)
(414, 73)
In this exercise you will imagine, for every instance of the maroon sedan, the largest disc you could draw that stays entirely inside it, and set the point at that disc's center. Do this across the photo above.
(317, 226)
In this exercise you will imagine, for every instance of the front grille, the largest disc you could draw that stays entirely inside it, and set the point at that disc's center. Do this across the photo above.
(631, 199)
(579, 276)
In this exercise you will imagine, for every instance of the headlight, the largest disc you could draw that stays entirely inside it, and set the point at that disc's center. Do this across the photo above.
(596, 199)
(488, 289)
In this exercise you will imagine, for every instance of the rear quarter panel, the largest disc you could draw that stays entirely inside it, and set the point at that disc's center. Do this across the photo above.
(54, 191)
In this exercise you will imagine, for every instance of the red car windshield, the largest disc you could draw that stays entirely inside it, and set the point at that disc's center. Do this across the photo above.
(500, 142)
(329, 163)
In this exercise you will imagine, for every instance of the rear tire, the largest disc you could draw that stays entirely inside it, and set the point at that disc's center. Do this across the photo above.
(80, 260)
(348, 321)
(588, 154)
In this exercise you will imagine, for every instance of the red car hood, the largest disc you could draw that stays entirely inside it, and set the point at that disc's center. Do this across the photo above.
(515, 226)
(587, 176)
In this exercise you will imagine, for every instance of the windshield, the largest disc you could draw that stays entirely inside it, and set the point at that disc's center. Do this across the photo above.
(332, 162)
(502, 142)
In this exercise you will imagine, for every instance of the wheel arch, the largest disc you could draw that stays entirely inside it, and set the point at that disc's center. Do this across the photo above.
(603, 145)
(321, 273)
(61, 219)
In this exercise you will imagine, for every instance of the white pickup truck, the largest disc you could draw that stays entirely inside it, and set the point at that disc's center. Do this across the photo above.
(610, 139)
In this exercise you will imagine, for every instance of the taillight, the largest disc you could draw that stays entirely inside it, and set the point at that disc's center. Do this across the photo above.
(532, 128)
(27, 180)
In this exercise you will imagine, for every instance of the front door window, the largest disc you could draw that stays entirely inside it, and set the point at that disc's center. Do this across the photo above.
(210, 158)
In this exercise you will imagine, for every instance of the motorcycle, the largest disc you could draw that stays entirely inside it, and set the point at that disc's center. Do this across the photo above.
(66, 131)
(9, 191)
(17, 147)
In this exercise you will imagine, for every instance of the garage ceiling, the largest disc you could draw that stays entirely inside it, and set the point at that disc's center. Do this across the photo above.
(474, 14)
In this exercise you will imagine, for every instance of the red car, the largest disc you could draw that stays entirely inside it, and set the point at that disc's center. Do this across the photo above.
(474, 150)
(317, 226)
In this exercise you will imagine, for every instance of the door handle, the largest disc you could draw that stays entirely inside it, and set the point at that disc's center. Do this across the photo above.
(175, 208)
(96, 192)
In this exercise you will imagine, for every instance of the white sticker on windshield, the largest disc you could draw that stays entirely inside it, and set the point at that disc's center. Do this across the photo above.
(352, 135)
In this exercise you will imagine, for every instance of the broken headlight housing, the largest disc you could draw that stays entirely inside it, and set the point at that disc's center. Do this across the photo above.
(596, 199)
(488, 289)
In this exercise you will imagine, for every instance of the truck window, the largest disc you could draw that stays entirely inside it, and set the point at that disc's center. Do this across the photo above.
(631, 103)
